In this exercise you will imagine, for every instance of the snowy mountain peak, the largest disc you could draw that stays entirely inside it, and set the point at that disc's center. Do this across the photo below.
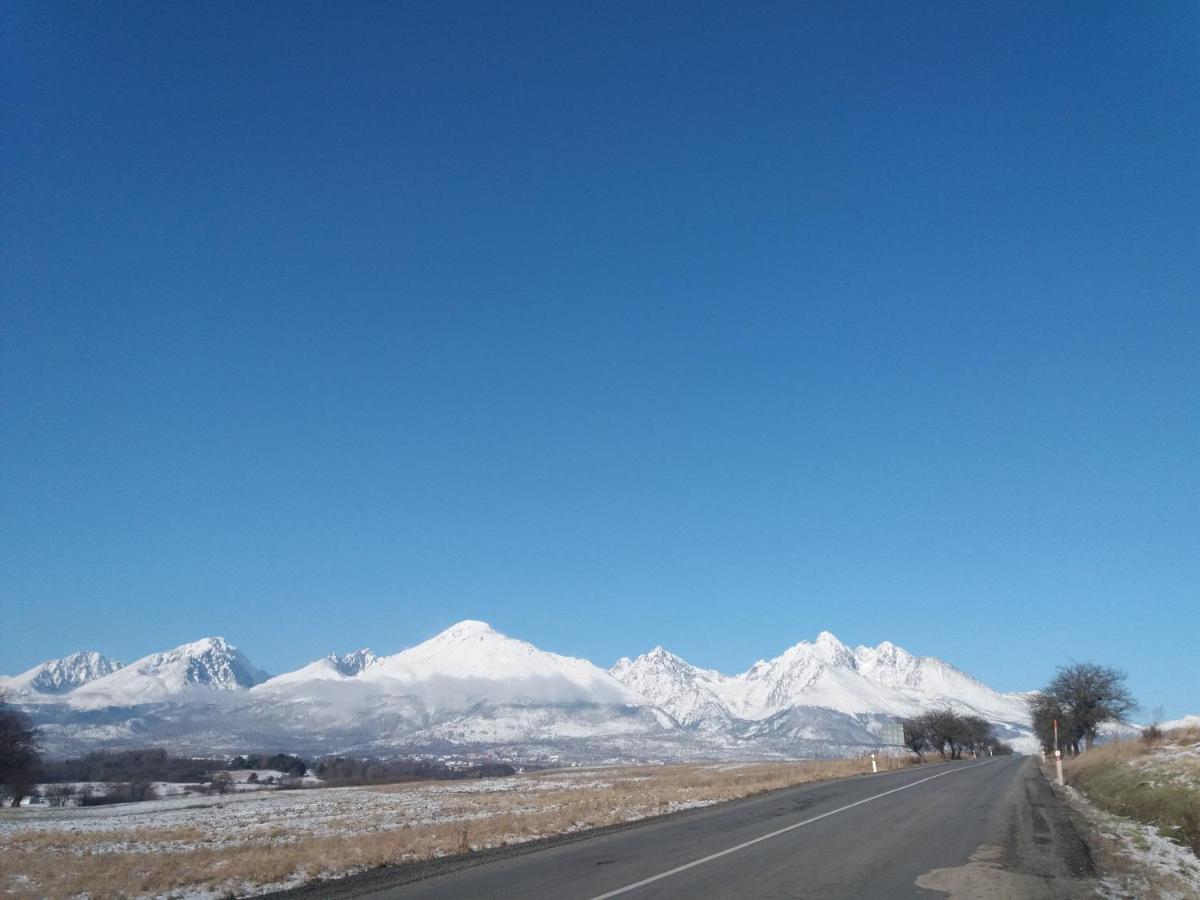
(470, 658)
(657, 663)
(211, 663)
(466, 630)
(662, 656)
(829, 649)
(204, 646)
(673, 684)
(57, 676)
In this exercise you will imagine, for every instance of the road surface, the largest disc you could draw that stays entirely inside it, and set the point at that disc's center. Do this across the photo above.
(989, 828)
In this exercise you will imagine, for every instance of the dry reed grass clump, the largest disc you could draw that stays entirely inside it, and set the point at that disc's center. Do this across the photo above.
(167, 861)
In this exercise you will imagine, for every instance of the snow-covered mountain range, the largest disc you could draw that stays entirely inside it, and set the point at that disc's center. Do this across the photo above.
(471, 688)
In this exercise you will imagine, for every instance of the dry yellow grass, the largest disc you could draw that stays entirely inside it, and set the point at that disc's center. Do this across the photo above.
(102, 864)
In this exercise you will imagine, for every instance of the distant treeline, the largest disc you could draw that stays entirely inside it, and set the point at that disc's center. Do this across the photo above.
(129, 766)
(340, 771)
(144, 766)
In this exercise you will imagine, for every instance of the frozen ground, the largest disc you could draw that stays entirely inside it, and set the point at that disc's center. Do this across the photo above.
(250, 842)
(249, 815)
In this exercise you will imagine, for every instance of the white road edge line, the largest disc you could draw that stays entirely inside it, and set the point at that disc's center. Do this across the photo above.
(767, 837)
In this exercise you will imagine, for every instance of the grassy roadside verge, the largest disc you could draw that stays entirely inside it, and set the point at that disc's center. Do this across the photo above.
(1154, 782)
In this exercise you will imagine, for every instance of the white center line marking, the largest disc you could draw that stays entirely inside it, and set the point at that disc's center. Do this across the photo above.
(767, 837)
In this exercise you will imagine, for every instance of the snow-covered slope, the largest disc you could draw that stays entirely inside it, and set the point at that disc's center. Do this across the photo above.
(209, 664)
(334, 667)
(1185, 722)
(468, 684)
(57, 676)
(929, 680)
(470, 663)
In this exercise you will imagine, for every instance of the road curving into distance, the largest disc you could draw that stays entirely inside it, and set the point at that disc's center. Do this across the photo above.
(989, 828)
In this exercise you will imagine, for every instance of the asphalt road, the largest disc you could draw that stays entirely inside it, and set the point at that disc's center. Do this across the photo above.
(988, 828)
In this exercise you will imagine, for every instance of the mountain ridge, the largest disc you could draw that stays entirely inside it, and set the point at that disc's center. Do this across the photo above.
(471, 685)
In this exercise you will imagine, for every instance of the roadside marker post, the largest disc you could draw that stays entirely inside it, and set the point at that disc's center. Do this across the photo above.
(874, 768)
(1057, 756)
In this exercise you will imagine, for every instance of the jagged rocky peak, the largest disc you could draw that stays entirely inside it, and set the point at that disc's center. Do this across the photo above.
(209, 662)
(57, 676)
(674, 685)
(657, 663)
(886, 659)
(351, 664)
(661, 657)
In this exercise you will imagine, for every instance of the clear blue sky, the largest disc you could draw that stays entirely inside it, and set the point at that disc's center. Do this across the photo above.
(710, 325)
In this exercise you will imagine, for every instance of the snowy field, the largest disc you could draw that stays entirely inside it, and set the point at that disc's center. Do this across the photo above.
(251, 842)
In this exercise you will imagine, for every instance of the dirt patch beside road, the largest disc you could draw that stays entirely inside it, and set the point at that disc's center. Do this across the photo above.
(1041, 853)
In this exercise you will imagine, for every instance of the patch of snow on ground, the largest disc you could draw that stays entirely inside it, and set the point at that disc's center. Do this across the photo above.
(1148, 852)
(1173, 763)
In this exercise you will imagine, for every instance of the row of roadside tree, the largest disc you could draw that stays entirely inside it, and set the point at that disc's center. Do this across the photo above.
(945, 732)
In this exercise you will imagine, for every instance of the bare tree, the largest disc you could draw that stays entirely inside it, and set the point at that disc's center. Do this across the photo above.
(977, 734)
(1081, 697)
(1045, 710)
(19, 759)
(945, 730)
(916, 736)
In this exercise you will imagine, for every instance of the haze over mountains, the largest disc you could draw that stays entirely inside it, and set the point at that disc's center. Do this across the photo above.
(471, 689)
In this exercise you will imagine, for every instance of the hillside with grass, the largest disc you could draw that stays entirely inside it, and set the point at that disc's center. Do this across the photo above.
(1154, 779)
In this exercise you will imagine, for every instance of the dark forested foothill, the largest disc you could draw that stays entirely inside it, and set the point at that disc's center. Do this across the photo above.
(340, 771)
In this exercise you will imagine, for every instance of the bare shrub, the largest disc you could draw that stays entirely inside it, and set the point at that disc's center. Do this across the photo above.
(59, 795)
